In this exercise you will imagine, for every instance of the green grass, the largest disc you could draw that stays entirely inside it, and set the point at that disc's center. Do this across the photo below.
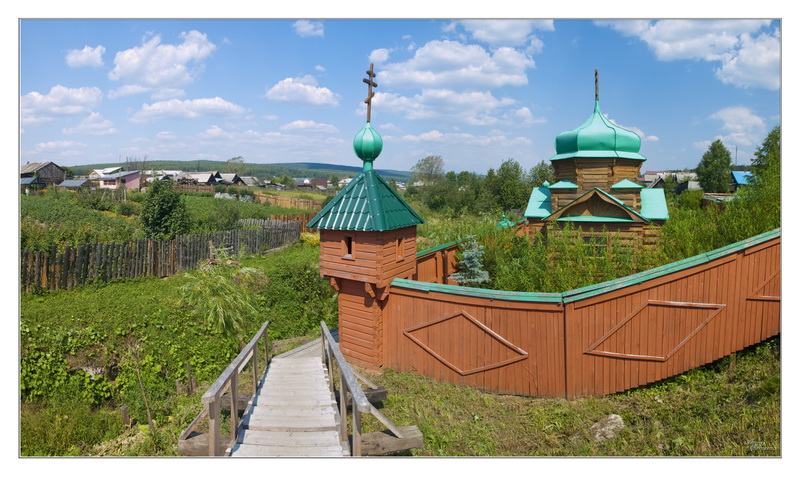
(98, 327)
(722, 409)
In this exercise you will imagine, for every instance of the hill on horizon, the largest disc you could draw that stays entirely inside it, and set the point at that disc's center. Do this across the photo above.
(312, 170)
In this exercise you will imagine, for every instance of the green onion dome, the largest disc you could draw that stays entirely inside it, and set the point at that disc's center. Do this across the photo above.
(367, 145)
(598, 137)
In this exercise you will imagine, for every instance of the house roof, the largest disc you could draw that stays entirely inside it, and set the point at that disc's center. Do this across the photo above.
(539, 204)
(741, 177)
(118, 175)
(30, 180)
(564, 184)
(654, 204)
(367, 203)
(73, 183)
(34, 166)
(626, 184)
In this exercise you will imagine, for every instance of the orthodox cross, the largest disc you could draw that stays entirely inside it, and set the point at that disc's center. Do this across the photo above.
(371, 85)
(596, 86)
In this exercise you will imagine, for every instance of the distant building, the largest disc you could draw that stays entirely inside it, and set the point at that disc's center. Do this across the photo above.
(98, 173)
(231, 179)
(740, 178)
(127, 180)
(596, 167)
(76, 184)
(49, 172)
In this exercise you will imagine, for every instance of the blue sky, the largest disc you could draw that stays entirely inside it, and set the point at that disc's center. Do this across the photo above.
(475, 92)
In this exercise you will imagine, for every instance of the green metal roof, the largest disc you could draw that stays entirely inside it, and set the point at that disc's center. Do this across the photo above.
(654, 204)
(539, 204)
(627, 184)
(593, 218)
(564, 184)
(367, 203)
(598, 137)
(478, 292)
(589, 218)
(504, 223)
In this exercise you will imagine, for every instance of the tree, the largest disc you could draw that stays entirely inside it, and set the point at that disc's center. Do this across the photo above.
(509, 186)
(714, 170)
(756, 208)
(235, 165)
(335, 182)
(470, 266)
(429, 170)
(163, 214)
(542, 172)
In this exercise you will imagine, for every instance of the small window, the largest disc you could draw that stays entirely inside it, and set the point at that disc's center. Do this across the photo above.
(399, 249)
(348, 247)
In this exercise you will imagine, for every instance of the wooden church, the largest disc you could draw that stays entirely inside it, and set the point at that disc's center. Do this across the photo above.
(367, 239)
(596, 167)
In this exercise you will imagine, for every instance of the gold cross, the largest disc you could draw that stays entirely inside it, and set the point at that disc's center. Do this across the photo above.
(371, 85)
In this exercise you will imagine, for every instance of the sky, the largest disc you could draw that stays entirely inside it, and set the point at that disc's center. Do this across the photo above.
(475, 92)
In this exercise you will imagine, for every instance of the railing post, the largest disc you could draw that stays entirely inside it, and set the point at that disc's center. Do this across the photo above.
(234, 405)
(356, 430)
(213, 427)
(343, 406)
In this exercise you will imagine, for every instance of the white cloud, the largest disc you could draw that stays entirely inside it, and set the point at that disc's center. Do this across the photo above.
(160, 66)
(189, 109)
(320, 68)
(508, 32)
(37, 108)
(468, 107)
(94, 125)
(745, 61)
(741, 127)
(639, 132)
(302, 90)
(309, 126)
(453, 64)
(756, 63)
(494, 138)
(166, 136)
(127, 90)
(216, 132)
(88, 56)
(63, 148)
(306, 28)
(379, 56)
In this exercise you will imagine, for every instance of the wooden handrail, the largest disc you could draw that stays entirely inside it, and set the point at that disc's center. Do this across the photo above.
(230, 379)
(348, 383)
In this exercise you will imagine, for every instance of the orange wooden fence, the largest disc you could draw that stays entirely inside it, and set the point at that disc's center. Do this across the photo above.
(595, 340)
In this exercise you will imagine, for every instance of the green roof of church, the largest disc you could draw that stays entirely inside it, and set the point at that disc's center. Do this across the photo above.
(368, 202)
(598, 137)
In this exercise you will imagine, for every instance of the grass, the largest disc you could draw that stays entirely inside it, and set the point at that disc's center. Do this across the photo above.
(731, 407)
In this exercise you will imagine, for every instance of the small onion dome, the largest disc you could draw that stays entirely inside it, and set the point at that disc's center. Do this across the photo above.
(598, 137)
(367, 145)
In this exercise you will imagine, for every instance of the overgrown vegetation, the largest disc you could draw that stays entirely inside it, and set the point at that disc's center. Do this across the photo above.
(86, 349)
(63, 218)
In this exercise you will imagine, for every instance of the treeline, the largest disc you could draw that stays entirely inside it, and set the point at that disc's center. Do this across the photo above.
(467, 193)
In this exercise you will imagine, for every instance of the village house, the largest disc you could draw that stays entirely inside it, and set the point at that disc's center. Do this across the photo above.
(48, 172)
(127, 180)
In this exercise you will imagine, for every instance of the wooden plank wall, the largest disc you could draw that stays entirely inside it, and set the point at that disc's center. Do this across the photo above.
(109, 261)
(436, 266)
(597, 345)
(440, 335)
(663, 327)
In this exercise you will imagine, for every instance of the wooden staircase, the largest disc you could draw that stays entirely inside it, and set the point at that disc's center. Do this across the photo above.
(293, 414)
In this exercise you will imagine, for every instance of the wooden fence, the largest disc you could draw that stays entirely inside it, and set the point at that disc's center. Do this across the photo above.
(162, 258)
(303, 218)
(288, 202)
(596, 340)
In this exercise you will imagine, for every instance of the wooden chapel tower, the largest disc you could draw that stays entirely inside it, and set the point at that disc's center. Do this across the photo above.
(367, 238)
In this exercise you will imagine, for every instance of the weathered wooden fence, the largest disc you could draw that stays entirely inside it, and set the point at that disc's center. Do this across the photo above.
(162, 258)
(303, 218)
(288, 202)
(595, 340)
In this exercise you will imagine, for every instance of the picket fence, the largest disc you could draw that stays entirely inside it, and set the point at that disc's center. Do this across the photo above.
(136, 258)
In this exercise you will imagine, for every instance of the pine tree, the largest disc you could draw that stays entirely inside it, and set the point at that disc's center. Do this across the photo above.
(470, 267)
